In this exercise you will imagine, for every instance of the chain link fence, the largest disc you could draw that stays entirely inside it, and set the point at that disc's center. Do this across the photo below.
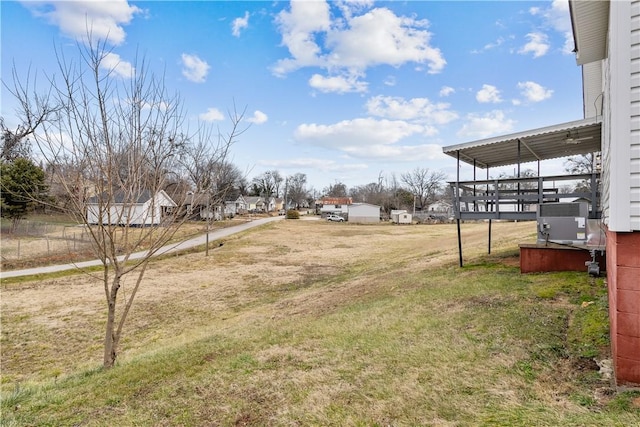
(31, 240)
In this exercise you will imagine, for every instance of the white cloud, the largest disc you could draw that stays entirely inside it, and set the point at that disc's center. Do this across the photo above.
(357, 132)
(538, 45)
(258, 118)
(370, 138)
(305, 163)
(381, 37)
(533, 92)
(390, 81)
(446, 91)
(488, 94)
(397, 153)
(416, 109)
(493, 123)
(240, 24)
(114, 64)
(353, 43)
(298, 27)
(489, 46)
(349, 7)
(338, 84)
(104, 19)
(157, 106)
(557, 16)
(212, 115)
(194, 68)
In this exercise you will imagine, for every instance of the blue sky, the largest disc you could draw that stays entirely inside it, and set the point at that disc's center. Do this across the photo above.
(341, 91)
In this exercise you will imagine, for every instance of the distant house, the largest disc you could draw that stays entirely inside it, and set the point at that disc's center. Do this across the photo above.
(269, 204)
(364, 213)
(441, 208)
(334, 205)
(125, 209)
(254, 203)
(235, 207)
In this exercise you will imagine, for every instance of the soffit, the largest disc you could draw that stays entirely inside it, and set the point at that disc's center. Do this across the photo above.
(562, 140)
(590, 22)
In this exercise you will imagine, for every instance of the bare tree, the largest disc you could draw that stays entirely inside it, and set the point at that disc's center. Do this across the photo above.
(123, 137)
(375, 193)
(582, 164)
(296, 188)
(32, 112)
(423, 184)
(268, 184)
(338, 189)
(204, 161)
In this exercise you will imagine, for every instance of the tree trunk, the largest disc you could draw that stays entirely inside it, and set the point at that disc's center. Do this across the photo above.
(111, 336)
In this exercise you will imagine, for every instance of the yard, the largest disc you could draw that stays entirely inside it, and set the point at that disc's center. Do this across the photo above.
(56, 239)
(319, 323)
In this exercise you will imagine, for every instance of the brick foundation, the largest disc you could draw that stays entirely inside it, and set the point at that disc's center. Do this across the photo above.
(623, 281)
(538, 258)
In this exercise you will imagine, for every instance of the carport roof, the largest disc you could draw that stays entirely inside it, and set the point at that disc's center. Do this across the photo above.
(561, 140)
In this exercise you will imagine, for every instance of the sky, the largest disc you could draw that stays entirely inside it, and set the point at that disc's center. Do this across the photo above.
(342, 91)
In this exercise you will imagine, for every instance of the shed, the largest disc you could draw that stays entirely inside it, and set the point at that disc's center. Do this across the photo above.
(401, 217)
(364, 213)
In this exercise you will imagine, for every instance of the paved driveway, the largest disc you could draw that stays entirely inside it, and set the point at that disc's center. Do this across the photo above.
(196, 241)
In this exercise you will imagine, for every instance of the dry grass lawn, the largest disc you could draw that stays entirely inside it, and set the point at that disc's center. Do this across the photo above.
(53, 327)
(304, 322)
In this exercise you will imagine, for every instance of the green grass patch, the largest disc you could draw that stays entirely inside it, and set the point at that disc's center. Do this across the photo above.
(365, 343)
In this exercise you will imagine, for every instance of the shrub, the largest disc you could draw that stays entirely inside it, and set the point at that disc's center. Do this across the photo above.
(293, 214)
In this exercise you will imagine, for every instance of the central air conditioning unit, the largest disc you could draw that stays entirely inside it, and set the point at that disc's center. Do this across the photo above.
(564, 223)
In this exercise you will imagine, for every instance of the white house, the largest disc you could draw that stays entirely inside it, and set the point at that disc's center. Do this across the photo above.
(607, 46)
(270, 204)
(235, 207)
(254, 203)
(364, 213)
(130, 209)
(441, 208)
(334, 205)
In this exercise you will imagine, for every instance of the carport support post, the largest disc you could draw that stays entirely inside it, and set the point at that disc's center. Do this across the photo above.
(489, 243)
(459, 243)
(458, 209)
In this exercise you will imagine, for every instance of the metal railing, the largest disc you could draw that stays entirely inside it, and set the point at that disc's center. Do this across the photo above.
(517, 198)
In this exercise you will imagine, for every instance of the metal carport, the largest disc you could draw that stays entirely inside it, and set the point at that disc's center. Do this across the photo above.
(557, 141)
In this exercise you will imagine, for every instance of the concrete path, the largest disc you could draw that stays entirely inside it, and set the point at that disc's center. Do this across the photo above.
(196, 241)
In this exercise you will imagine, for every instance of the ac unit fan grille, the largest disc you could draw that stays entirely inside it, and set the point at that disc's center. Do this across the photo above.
(560, 209)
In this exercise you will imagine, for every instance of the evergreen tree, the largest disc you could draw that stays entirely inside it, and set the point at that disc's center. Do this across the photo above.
(22, 186)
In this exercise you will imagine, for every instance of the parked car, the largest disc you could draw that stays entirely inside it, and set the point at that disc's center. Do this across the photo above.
(334, 217)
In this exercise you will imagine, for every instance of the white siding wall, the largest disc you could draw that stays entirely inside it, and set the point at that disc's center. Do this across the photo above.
(364, 212)
(118, 215)
(606, 140)
(635, 116)
(617, 138)
(592, 90)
